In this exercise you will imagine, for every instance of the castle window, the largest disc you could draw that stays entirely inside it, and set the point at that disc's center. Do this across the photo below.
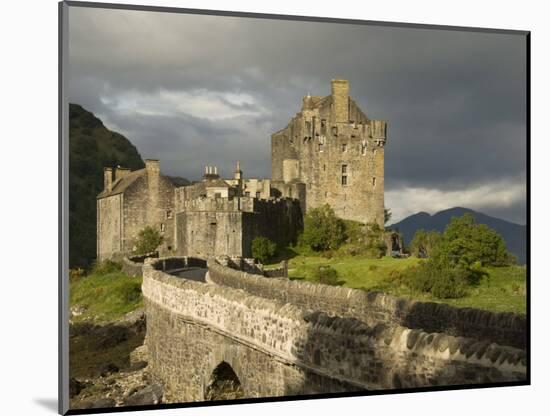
(258, 195)
(162, 227)
(344, 180)
(363, 149)
(344, 147)
(335, 131)
(247, 194)
(169, 214)
(324, 167)
(373, 182)
(320, 147)
(217, 195)
(323, 127)
(344, 169)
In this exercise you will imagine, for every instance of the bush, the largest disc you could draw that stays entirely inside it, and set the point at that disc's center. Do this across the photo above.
(149, 239)
(424, 242)
(441, 282)
(263, 248)
(106, 267)
(76, 274)
(376, 246)
(323, 230)
(326, 275)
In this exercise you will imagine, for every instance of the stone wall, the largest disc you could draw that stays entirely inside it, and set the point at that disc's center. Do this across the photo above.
(109, 227)
(278, 348)
(227, 226)
(373, 307)
(132, 268)
(149, 202)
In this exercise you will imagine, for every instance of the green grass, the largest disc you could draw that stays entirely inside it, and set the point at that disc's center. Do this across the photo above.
(503, 291)
(105, 297)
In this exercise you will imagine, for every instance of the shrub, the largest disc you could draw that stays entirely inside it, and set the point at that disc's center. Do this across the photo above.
(440, 281)
(376, 246)
(424, 242)
(76, 274)
(263, 248)
(148, 240)
(326, 275)
(323, 230)
(106, 267)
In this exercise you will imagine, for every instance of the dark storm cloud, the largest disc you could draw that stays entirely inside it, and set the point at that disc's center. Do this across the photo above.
(193, 90)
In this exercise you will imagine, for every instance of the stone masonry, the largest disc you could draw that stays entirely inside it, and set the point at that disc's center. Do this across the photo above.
(280, 349)
(331, 152)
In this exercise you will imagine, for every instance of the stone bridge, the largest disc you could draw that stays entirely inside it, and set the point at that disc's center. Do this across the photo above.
(245, 335)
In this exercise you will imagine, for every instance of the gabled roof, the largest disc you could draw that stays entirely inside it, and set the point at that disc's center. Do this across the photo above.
(216, 183)
(121, 184)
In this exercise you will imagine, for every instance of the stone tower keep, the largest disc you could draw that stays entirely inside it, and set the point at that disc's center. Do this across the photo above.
(331, 152)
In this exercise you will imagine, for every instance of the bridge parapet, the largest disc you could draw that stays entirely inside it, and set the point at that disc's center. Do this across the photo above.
(287, 346)
(374, 307)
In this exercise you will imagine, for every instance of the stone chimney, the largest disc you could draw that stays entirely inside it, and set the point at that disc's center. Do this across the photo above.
(238, 171)
(121, 172)
(108, 179)
(340, 100)
(210, 172)
(152, 167)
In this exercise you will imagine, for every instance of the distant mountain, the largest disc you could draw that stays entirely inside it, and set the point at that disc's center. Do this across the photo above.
(91, 148)
(515, 235)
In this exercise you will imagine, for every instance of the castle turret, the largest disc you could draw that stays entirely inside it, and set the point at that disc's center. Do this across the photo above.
(340, 100)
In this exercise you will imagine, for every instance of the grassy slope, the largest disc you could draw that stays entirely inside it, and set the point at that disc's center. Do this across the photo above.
(105, 298)
(503, 291)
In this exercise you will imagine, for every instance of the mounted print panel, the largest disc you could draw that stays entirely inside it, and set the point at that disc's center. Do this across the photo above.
(263, 208)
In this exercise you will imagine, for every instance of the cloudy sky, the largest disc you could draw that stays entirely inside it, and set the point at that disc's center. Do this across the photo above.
(193, 90)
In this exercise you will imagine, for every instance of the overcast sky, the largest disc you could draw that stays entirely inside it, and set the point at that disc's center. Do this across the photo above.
(193, 90)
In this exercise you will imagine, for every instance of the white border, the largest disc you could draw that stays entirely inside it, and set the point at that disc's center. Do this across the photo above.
(29, 204)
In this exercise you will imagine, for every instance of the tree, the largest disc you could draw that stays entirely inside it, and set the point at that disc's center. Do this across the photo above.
(263, 248)
(464, 242)
(149, 239)
(424, 242)
(376, 245)
(323, 230)
(387, 215)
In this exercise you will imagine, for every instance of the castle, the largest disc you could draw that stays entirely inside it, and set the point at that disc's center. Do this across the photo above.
(330, 152)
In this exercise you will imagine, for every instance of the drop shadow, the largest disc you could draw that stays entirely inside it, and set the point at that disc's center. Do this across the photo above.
(47, 403)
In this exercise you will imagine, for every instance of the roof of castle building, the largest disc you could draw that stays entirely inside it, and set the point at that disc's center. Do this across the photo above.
(216, 183)
(121, 184)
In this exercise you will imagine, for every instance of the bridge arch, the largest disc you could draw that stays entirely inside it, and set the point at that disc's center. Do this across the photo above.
(224, 384)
